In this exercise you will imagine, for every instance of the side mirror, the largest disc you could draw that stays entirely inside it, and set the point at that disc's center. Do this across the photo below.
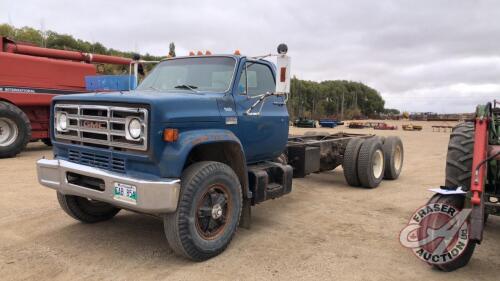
(283, 75)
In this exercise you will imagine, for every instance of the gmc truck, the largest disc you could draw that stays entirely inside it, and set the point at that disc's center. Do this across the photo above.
(199, 142)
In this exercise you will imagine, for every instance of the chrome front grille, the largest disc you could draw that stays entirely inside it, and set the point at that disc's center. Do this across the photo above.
(100, 125)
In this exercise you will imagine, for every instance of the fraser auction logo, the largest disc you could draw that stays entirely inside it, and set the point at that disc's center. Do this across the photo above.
(437, 233)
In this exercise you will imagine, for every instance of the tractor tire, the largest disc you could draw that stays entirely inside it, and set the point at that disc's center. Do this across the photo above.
(350, 161)
(208, 213)
(394, 156)
(85, 210)
(15, 130)
(456, 201)
(459, 156)
(371, 166)
(458, 173)
(47, 142)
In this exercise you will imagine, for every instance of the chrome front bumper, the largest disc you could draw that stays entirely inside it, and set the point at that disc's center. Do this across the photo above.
(154, 197)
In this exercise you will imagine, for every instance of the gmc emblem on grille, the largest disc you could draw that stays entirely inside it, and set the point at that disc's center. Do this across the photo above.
(94, 124)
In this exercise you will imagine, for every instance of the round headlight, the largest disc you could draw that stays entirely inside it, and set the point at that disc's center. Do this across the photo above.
(135, 128)
(62, 121)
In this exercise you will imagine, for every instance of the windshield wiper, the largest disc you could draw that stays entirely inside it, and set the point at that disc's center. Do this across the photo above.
(188, 87)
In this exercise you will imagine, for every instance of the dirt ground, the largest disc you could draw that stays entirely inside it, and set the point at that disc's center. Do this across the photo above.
(323, 230)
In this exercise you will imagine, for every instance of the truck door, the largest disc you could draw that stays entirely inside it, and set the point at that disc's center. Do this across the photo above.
(264, 134)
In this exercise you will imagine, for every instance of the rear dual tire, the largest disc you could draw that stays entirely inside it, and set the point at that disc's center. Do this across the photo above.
(367, 161)
(371, 163)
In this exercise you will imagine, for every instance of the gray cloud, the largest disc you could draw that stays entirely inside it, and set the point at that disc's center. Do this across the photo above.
(429, 55)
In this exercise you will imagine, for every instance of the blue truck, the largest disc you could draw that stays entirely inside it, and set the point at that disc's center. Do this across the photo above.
(199, 142)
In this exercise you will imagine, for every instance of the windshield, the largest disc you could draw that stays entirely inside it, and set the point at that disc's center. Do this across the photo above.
(212, 74)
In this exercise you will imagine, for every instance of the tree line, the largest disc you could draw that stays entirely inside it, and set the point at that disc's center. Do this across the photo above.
(338, 99)
(333, 98)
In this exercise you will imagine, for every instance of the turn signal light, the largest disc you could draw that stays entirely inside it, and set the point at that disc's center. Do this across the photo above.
(170, 135)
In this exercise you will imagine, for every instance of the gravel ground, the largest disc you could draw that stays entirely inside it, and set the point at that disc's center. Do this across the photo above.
(323, 230)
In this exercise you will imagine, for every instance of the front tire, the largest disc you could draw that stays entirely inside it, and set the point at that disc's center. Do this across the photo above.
(456, 201)
(47, 141)
(208, 213)
(85, 210)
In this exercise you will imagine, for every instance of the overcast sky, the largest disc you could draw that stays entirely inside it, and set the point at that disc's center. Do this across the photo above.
(441, 56)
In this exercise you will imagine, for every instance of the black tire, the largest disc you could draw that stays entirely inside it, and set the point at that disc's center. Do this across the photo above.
(19, 122)
(350, 161)
(187, 229)
(458, 202)
(370, 153)
(459, 156)
(85, 210)
(394, 156)
(47, 142)
(458, 173)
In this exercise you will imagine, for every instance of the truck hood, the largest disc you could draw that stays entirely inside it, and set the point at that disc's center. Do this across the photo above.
(171, 107)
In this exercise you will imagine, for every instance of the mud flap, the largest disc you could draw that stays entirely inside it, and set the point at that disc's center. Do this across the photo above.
(246, 214)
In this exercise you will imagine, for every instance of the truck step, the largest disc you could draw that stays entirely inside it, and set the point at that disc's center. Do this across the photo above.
(274, 190)
(269, 180)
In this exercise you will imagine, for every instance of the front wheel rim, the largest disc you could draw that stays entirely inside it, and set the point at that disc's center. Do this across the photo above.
(213, 212)
(8, 132)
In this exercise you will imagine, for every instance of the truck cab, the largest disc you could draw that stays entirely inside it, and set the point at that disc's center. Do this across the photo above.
(197, 143)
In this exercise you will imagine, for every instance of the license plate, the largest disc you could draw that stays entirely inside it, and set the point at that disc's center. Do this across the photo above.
(125, 192)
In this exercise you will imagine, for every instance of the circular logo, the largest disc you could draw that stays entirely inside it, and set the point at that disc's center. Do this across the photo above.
(437, 233)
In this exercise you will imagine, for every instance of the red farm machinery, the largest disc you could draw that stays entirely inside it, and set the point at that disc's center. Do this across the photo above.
(472, 168)
(30, 77)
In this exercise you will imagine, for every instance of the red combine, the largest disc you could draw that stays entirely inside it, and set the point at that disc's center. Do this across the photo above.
(30, 77)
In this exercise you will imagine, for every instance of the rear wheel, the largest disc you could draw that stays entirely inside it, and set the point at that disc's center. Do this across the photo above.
(86, 210)
(394, 156)
(350, 161)
(15, 130)
(459, 156)
(371, 161)
(208, 212)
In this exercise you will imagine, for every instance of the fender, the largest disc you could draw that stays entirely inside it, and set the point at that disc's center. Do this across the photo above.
(175, 154)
